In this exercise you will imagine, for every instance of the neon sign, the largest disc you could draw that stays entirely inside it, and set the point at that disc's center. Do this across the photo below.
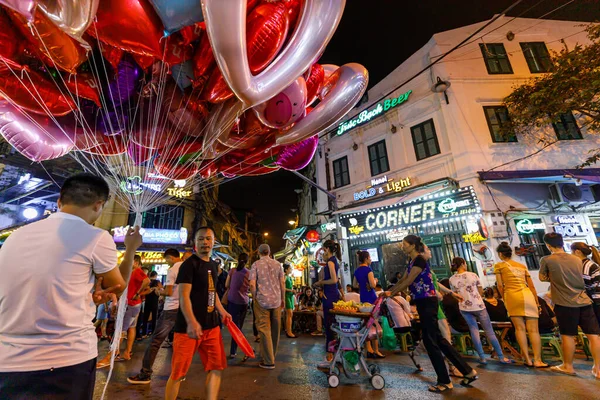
(528, 226)
(329, 226)
(391, 186)
(134, 185)
(179, 193)
(368, 115)
(156, 236)
(569, 225)
(474, 238)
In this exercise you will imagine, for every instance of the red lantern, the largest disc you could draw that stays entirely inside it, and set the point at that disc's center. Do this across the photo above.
(312, 236)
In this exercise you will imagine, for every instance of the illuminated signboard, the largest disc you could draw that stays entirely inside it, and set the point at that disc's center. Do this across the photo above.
(148, 257)
(374, 255)
(377, 110)
(529, 225)
(134, 185)
(156, 236)
(329, 226)
(179, 192)
(570, 225)
(391, 185)
(449, 205)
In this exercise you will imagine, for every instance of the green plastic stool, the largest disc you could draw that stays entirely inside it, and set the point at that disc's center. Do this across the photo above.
(403, 340)
(586, 345)
(551, 341)
(460, 341)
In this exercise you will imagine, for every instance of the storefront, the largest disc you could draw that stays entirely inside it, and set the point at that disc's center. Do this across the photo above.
(449, 221)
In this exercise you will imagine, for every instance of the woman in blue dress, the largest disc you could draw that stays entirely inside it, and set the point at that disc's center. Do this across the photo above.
(365, 280)
(332, 253)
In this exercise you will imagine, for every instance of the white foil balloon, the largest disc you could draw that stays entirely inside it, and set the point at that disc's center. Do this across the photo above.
(226, 27)
(328, 69)
(72, 16)
(350, 84)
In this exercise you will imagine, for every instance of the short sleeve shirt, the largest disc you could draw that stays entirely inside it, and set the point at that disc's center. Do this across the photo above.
(566, 279)
(135, 283)
(422, 287)
(466, 284)
(172, 302)
(202, 275)
(268, 275)
(47, 277)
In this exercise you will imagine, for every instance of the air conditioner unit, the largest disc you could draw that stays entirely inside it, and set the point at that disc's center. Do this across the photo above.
(570, 193)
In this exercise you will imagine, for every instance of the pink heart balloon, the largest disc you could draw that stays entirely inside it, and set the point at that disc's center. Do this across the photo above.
(36, 137)
(296, 156)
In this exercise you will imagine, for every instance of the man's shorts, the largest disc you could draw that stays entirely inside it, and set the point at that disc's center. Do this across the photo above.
(569, 318)
(102, 312)
(131, 315)
(209, 347)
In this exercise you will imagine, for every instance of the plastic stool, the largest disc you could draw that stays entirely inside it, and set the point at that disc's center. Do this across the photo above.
(460, 341)
(403, 339)
(551, 341)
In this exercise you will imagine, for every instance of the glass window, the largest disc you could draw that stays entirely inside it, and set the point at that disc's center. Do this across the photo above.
(162, 217)
(496, 59)
(378, 158)
(425, 140)
(537, 57)
(340, 172)
(225, 237)
(497, 119)
(566, 127)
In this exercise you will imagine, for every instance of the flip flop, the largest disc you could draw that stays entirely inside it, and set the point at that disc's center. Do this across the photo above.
(542, 366)
(556, 368)
(467, 380)
(439, 388)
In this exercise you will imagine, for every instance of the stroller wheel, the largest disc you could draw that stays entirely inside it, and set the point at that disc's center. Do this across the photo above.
(374, 369)
(377, 382)
(333, 380)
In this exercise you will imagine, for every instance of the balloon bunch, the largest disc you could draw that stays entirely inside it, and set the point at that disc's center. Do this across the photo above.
(174, 87)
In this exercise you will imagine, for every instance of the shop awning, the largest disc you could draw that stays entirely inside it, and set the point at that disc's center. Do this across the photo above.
(224, 256)
(588, 175)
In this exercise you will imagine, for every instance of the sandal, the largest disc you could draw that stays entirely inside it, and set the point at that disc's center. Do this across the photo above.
(541, 366)
(417, 365)
(440, 388)
(558, 369)
(467, 380)
(506, 361)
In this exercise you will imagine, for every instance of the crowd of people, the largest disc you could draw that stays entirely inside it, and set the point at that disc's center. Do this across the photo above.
(48, 341)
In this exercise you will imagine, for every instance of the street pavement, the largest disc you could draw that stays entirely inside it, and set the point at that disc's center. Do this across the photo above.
(297, 378)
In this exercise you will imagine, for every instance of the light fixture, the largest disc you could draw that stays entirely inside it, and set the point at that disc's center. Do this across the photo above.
(393, 129)
(354, 146)
(292, 222)
(30, 213)
(510, 36)
(441, 87)
(266, 234)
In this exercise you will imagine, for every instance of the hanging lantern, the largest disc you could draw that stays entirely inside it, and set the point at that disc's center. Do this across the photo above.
(312, 236)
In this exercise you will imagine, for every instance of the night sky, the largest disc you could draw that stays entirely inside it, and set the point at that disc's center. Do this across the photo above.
(380, 35)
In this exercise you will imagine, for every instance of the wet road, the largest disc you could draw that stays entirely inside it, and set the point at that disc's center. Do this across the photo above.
(297, 378)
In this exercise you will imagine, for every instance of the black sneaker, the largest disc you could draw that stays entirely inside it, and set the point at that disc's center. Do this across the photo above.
(266, 366)
(140, 379)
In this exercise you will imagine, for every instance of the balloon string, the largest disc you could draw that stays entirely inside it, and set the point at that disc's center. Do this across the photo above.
(114, 345)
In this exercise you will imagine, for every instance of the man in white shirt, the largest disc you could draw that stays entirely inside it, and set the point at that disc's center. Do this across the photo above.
(165, 322)
(48, 346)
(267, 285)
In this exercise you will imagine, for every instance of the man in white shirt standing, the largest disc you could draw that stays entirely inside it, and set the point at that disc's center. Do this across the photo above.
(267, 285)
(165, 322)
(48, 346)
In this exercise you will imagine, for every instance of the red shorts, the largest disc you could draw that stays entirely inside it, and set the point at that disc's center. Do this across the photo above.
(209, 346)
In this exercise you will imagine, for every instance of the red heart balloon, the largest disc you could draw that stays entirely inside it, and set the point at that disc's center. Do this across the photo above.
(175, 171)
(50, 42)
(131, 25)
(143, 61)
(112, 54)
(266, 30)
(84, 85)
(314, 82)
(104, 145)
(176, 52)
(204, 62)
(216, 90)
(191, 33)
(11, 41)
(34, 92)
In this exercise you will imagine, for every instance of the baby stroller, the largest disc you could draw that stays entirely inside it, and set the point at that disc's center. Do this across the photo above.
(353, 332)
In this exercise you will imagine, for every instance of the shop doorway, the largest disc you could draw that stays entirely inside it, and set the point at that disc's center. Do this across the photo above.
(443, 249)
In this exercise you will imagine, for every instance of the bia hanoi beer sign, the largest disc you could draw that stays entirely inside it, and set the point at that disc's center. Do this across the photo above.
(368, 115)
(154, 236)
(450, 205)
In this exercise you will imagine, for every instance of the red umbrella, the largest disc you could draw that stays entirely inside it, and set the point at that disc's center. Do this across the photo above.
(239, 338)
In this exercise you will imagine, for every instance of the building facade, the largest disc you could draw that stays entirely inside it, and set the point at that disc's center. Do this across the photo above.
(429, 157)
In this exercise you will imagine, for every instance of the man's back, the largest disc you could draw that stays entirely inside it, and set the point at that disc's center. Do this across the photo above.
(268, 274)
(47, 270)
(565, 272)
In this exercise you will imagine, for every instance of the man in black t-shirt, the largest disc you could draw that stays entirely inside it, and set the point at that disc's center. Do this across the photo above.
(197, 326)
